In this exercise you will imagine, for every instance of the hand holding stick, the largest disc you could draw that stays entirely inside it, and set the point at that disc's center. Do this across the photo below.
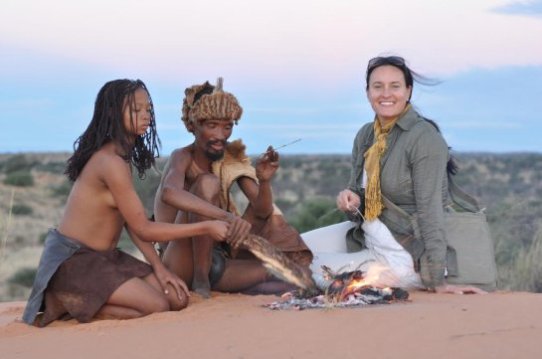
(271, 152)
(282, 146)
(355, 210)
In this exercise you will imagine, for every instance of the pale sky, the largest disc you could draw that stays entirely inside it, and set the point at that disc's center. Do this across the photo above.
(296, 66)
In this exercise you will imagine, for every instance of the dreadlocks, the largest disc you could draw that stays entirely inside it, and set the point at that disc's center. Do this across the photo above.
(107, 125)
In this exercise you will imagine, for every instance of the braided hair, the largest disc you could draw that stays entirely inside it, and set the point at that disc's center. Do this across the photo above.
(107, 125)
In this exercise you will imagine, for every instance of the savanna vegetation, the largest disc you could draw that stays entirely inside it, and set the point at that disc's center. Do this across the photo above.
(33, 191)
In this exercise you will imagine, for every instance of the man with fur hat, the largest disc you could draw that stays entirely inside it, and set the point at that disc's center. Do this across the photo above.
(196, 185)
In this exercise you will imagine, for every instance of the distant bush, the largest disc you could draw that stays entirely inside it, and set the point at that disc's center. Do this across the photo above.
(146, 188)
(24, 277)
(17, 163)
(18, 242)
(21, 209)
(125, 243)
(52, 167)
(315, 213)
(42, 238)
(62, 190)
(21, 178)
(292, 161)
(525, 273)
(284, 204)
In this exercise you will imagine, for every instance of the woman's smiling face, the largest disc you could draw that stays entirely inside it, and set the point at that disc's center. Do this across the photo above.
(387, 92)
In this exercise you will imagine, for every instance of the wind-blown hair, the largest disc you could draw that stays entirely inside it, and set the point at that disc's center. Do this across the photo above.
(398, 62)
(107, 125)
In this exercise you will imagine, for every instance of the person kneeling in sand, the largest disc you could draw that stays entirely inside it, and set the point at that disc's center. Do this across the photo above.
(196, 185)
(81, 273)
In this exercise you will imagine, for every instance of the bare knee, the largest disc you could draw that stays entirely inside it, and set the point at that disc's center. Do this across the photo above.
(158, 305)
(206, 186)
(177, 304)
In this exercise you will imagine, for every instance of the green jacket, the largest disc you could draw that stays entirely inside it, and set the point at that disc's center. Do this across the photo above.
(413, 176)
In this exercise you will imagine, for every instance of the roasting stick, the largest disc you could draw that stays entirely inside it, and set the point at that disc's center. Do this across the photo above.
(284, 145)
(358, 212)
(352, 208)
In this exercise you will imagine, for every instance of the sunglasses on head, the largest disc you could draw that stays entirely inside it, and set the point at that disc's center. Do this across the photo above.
(385, 60)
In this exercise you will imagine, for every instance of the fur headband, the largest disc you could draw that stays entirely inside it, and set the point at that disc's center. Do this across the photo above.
(209, 102)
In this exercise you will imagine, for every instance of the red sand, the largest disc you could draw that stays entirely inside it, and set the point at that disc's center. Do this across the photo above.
(498, 325)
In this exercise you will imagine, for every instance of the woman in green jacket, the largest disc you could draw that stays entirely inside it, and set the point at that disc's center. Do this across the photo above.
(399, 157)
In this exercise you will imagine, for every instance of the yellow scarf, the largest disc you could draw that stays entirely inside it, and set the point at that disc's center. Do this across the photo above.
(373, 195)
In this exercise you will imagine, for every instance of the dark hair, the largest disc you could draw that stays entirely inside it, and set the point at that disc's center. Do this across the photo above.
(451, 165)
(206, 89)
(400, 63)
(395, 61)
(107, 125)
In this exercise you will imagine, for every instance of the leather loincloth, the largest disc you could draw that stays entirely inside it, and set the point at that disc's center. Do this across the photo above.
(84, 281)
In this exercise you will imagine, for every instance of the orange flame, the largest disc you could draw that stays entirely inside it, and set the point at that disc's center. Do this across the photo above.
(372, 278)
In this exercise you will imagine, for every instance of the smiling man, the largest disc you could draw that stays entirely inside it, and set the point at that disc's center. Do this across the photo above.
(195, 186)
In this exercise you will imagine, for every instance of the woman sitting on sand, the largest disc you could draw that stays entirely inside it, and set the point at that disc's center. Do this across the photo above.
(81, 273)
(402, 156)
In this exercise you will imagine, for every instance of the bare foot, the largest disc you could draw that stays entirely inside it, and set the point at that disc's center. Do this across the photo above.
(202, 287)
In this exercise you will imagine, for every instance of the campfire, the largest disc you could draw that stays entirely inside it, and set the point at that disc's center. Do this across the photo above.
(345, 289)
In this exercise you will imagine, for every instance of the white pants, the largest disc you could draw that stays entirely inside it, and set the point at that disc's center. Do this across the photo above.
(385, 262)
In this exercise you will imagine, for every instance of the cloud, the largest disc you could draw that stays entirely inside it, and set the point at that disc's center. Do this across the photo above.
(297, 67)
(526, 7)
(313, 41)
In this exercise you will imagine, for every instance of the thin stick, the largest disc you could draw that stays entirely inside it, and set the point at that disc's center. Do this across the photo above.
(286, 144)
(358, 212)
(6, 229)
(352, 208)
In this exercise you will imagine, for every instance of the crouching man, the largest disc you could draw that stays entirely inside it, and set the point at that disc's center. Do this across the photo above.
(195, 186)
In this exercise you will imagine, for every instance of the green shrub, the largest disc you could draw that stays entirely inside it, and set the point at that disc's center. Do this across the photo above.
(21, 178)
(146, 188)
(19, 241)
(42, 237)
(125, 243)
(62, 190)
(284, 204)
(316, 213)
(17, 163)
(24, 277)
(526, 272)
(21, 209)
(52, 167)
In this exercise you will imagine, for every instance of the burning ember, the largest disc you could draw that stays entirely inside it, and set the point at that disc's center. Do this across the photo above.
(347, 289)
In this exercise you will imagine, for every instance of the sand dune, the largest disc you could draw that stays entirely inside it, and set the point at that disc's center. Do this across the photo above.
(497, 325)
